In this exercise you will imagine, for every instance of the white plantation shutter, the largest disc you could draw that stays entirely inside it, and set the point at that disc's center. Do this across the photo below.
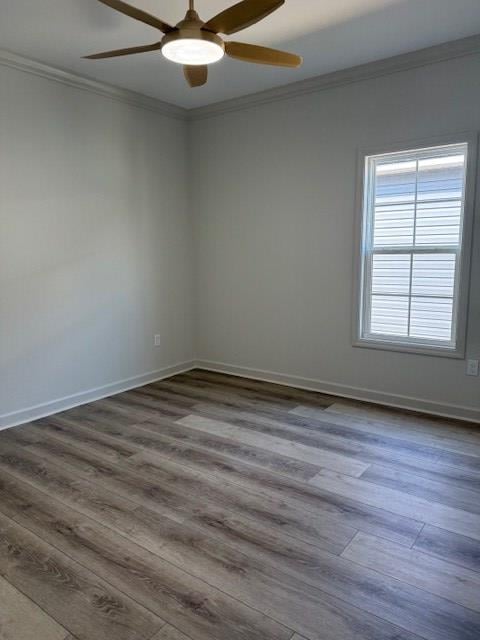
(411, 248)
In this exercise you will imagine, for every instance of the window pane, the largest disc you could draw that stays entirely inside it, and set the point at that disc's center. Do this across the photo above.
(431, 318)
(391, 274)
(433, 274)
(395, 189)
(439, 200)
(438, 223)
(389, 315)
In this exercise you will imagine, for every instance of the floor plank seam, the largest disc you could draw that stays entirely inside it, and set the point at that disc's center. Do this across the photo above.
(411, 584)
(88, 568)
(417, 537)
(36, 604)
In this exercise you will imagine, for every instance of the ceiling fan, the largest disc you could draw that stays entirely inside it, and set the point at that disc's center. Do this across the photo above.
(196, 44)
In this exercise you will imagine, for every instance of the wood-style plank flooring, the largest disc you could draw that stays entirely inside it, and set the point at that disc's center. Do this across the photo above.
(211, 507)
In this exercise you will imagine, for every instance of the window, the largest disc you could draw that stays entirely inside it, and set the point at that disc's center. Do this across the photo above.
(414, 249)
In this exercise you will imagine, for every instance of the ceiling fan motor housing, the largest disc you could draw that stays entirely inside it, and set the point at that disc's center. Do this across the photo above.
(191, 29)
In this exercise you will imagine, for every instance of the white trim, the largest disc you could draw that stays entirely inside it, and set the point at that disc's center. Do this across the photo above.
(403, 62)
(445, 410)
(458, 412)
(14, 61)
(463, 276)
(38, 411)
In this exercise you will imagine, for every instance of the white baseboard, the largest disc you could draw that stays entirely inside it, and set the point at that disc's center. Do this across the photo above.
(398, 401)
(45, 409)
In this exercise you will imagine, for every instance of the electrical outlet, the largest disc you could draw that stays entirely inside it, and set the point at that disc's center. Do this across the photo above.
(472, 367)
(156, 340)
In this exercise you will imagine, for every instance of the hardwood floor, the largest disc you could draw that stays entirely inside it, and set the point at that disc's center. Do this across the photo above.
(211, 507)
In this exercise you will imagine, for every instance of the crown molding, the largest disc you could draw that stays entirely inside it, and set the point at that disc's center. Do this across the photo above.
(404, 62)
(14, 61)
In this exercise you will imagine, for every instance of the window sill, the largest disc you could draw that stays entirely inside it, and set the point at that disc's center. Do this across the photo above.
(402, 347)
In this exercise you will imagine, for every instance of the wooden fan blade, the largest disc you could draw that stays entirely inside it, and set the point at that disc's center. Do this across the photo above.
(242, 15)
(138, 14)
(196, 75)
(125, 52)
(262, 55)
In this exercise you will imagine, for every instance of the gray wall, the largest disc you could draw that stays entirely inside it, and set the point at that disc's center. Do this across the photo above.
(274, 216)
(95, 242)
(102, 245)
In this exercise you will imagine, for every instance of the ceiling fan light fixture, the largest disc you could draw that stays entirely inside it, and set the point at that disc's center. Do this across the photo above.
(195, 44)
(200, 48)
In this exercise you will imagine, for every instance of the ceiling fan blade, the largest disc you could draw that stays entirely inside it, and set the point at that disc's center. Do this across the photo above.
(242, 15)
(138, 14)
(262, 55)
(196, 75)
(125, 52)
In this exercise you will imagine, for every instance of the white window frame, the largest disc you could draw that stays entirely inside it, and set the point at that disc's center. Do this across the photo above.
(362, 231)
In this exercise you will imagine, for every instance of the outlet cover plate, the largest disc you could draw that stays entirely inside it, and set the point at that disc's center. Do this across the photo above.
(472, 368)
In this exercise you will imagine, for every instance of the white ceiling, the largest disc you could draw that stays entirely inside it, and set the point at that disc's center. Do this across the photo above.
(330, 34)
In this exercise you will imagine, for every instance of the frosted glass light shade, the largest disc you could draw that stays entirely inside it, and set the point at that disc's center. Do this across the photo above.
(190, 51)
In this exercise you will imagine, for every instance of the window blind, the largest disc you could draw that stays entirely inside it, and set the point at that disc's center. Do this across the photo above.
(413, 221)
